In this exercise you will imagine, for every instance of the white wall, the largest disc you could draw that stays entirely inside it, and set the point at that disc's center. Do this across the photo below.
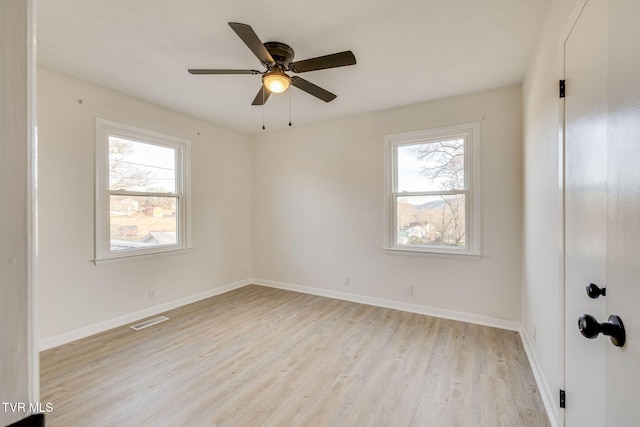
(317, 198)
(18, 357)
(542, 290)
(313, 209)
(76, 294)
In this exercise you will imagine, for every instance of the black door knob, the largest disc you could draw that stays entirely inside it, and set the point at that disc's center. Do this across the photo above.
(614, 328)
(594, 291)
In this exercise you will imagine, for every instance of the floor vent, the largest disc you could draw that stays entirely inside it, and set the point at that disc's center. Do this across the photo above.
(149, 322)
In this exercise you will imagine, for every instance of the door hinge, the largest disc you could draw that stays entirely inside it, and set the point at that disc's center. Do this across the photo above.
(562, 87)
(562, 398)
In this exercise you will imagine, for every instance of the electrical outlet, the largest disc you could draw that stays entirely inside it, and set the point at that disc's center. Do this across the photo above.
(408, 290)
(347, 281)
(152, 293)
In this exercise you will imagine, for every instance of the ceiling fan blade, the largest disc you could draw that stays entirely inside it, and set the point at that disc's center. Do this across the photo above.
(323, 62)
(251, 39)
(209, 71)
(312, 89)
(262, 96)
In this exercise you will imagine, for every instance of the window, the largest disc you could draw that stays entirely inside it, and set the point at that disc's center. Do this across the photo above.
(142, 191)
(432, 190)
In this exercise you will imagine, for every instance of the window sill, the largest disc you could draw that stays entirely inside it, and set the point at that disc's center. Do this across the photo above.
(433, 253)
(139, 256)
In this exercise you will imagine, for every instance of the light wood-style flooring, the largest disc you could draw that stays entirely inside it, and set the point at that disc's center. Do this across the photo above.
(258, 356)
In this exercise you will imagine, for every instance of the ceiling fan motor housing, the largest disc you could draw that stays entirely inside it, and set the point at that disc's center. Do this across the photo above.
(281, 53)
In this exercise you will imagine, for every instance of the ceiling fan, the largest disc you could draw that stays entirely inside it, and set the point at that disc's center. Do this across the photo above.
(277, 58)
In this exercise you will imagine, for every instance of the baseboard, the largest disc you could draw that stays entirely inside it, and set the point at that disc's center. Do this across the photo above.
(548, 397)
(67, 337)
(397, 305)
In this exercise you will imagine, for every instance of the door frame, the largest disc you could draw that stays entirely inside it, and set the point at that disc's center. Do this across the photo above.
(19, 111)
(578, 7)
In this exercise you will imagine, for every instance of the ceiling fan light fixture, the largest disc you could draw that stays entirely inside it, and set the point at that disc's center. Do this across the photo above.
(276, 81)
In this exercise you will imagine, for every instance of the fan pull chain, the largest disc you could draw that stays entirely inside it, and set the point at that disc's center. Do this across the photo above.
(263, 127)
(289, 108)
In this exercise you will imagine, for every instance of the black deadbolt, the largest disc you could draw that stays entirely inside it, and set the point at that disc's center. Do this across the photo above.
(594, 291)
(614, 328)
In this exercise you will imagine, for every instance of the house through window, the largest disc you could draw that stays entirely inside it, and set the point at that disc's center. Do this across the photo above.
(142, 201)
(432, 190)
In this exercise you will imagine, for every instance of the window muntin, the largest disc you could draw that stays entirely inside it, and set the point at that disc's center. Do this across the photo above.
(142, 191)
(431, 200)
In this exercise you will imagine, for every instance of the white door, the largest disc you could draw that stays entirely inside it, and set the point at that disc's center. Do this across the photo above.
(585, 211)
(602, 211)
(623, 249)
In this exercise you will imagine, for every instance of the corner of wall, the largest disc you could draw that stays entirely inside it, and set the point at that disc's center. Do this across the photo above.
(543, 386)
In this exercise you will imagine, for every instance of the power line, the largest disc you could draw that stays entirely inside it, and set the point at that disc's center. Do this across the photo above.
(145, 165)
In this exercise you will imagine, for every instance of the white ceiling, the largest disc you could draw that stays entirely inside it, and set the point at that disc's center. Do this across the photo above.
(407, 51)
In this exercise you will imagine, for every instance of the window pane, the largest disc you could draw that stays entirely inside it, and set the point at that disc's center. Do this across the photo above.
(142, 222)
(138, 166)
(431, 166)
(431, 220)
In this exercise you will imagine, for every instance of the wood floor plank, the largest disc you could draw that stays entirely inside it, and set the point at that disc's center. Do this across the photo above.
(258, 356)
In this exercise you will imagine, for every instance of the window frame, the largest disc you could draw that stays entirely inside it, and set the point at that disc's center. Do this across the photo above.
(470, 132)
(108, 128)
